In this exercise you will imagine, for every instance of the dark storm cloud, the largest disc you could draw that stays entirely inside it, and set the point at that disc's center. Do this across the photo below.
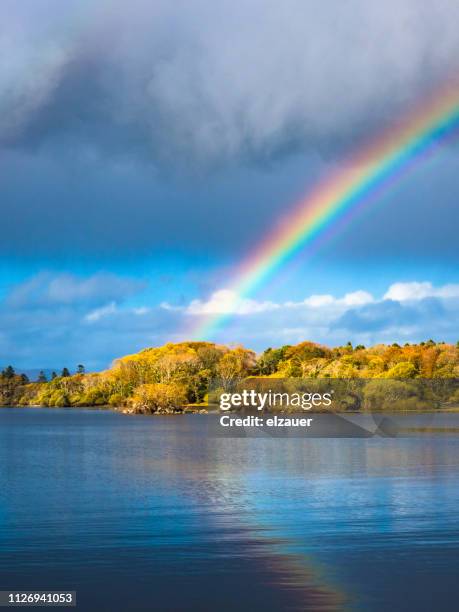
(200, 82)
(113, 116)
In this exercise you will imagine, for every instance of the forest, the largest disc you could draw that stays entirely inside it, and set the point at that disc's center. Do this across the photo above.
(176, 377)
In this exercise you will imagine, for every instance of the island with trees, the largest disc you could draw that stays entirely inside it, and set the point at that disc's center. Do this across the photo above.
(176, 377)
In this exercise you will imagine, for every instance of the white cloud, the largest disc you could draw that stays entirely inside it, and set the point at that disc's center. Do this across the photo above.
(112, 308)
(55, 333)
(357, 298)
(401, 292)
(141, 310)
(226, 301)
(99, 313)
(357, 316)
(317, 301)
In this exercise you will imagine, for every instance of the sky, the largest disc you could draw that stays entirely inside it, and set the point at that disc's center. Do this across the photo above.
(146, 148)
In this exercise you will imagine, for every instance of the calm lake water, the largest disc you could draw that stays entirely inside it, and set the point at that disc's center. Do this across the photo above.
(152, 513)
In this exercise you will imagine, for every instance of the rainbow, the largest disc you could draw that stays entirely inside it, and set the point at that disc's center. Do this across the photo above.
(338, 197)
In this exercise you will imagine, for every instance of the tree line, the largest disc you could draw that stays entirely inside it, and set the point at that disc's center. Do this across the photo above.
(167, 378)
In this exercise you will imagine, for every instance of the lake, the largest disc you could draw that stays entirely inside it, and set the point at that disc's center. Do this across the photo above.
(142, 513)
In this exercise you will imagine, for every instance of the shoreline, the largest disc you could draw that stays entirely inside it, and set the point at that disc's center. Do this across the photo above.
(206, 411)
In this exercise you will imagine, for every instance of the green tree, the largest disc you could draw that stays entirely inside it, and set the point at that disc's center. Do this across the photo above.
(80, 369)
(65, 372)
(42, 377)
(269, 360)
(9, 372)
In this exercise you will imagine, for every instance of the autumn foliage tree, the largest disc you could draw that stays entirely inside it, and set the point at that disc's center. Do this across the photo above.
(174, 375)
